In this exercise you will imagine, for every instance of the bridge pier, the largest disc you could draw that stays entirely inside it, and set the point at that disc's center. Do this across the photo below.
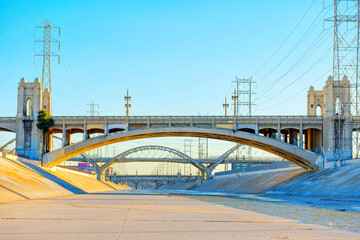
(301, 135)
(334, 101)
(31, 99)
(278, 136)
(85, 135)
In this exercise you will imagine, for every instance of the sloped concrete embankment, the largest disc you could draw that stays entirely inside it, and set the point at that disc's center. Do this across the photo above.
(339, 182)
(251, 182)
(20, 181)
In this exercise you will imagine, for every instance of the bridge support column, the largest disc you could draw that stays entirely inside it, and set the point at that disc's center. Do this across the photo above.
(293, 137)
(68, 137)
(257, 126)
(64, 134)
(106, 126)
(207, 173)
(301, 135)
(278, 136)
(86, 135)
(170, 123)
(285, 136)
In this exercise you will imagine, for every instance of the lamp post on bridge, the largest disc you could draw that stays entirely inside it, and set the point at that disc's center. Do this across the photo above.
(225, 105)
(127, 105)
(235, 98)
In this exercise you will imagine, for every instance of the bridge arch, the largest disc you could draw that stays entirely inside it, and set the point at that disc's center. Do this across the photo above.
(306, 159)
(101, 169)
(7, 129)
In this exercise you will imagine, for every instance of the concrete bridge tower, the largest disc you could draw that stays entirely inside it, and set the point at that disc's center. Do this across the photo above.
(334, 101)
(31, 99)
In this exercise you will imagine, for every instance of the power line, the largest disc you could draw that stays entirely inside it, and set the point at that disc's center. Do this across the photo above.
(13, 39)
(17, 15)
(309, 69)
(30, 11)
(286, 39)
(16, 59)
(298, 43)
(22, 29)
(294, 95)
(285, 87)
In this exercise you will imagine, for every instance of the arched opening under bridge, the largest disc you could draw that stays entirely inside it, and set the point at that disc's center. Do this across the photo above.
(305, 159)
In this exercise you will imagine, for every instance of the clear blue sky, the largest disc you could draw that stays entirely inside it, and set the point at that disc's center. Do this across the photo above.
(176, 57)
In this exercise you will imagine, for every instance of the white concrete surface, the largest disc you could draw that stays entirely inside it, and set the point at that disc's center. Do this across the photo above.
(121, 216)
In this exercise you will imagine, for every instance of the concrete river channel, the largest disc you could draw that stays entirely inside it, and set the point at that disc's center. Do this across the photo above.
(343, 214)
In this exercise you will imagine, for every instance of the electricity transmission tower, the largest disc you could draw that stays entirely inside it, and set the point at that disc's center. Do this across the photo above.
(346, 21)
(188, 151)
(92, 109)
(244, 91)
(92, 112)
(203, 151)
(48, 31)
(244, 99)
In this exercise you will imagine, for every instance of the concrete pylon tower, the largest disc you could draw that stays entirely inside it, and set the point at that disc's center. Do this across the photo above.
(334, 101)
(28, 136)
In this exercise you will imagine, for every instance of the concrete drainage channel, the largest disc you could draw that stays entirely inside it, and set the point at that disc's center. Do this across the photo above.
(322, 211)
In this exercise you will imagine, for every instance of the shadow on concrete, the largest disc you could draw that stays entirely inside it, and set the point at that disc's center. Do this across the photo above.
(127, 192)
(8, 189)
(108, 185)
(56, 179)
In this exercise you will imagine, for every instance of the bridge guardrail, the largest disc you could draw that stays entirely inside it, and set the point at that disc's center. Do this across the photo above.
(187, 120)
(7, 119)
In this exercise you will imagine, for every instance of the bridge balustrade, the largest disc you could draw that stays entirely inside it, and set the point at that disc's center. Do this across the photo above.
(186, 120)
(8, 119)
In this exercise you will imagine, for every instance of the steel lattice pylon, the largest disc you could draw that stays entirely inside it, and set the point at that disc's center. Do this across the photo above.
(346, 63)
(46, 52)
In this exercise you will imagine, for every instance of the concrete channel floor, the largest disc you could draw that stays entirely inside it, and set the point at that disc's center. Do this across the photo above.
(121, 215)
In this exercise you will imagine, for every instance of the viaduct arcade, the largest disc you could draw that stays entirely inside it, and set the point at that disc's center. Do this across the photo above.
(305, 140)
(158, 180)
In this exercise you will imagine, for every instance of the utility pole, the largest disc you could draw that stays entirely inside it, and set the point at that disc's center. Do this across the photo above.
(127, 105)
(235, 97)
(237, 82)
(225, 105)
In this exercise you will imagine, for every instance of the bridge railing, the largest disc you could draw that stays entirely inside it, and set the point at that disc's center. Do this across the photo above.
(7, 119)
(188, 120)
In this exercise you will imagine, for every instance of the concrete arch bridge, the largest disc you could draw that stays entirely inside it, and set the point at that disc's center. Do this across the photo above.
(307, 159)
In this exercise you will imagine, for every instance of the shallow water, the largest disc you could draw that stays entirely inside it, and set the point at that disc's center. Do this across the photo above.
(337, 213)
(340, 219)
